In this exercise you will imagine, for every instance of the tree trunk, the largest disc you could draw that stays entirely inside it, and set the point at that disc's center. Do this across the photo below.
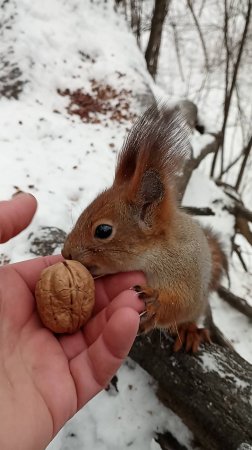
(211, 392)
(153, 47)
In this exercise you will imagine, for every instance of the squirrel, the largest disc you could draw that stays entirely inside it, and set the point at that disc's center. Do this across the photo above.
(136, 224)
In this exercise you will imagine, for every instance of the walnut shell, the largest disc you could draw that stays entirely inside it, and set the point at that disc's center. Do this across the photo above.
(65, 296)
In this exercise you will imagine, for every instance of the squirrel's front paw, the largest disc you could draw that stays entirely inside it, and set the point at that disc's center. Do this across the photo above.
(148, 319)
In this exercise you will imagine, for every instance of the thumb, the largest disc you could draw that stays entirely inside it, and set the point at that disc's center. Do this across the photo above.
(16, 214)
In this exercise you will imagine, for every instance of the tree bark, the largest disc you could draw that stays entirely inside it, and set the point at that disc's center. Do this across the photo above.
(240, 210)
(211, 392)
(153, 47)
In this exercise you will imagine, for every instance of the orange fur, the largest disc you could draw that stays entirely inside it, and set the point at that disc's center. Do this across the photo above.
(219, 259)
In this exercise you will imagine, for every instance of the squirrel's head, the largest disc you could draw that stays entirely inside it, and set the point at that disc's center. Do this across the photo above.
(135, 214)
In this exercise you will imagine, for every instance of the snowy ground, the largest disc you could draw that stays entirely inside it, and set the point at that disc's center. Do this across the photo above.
(64, 162)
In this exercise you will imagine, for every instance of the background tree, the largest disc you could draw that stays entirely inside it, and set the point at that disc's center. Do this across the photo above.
(152, 51)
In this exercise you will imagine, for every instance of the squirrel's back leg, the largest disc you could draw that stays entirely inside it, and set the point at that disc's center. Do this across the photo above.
(191, 337)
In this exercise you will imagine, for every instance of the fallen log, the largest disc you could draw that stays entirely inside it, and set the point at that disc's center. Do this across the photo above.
(210, 391)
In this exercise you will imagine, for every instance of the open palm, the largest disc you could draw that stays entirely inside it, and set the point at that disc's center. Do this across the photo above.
(45, 379)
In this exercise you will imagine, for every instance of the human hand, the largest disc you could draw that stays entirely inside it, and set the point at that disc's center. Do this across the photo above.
(44, 379)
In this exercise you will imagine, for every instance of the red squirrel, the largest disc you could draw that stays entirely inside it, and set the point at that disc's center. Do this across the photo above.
(137, 224)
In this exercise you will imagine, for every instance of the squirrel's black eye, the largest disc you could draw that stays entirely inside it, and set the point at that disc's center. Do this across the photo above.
(103, 231)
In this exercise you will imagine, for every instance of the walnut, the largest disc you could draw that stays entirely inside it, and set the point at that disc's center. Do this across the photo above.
(65, 296)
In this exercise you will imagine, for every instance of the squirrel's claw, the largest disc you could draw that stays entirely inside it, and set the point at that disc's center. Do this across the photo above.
(190, 337)
(147, 294)
(150, 298)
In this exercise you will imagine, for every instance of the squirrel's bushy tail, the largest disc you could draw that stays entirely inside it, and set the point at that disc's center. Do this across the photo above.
(219, 259)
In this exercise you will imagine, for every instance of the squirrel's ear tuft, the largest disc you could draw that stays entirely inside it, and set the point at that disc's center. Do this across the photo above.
(158, 141)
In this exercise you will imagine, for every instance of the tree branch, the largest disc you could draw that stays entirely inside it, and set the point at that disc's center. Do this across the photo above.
(237, 250)
(192, 164)
(190, 6)
(196, 211)
(230, 165)
(236, 302)
(240, 210)
(246, 151)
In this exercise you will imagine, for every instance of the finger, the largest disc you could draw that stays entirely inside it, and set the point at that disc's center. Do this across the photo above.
(15, 215)
(30, 270)
(76, 343)
(107, 288)
(100, 361)
(126, 299)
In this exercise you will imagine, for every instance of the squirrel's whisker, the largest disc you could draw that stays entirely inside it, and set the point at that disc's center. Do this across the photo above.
(176, 328)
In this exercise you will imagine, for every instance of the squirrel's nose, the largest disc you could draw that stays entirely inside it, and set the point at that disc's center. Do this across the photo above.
(66, 252)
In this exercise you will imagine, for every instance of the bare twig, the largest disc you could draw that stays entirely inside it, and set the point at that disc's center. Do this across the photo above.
(190, 6)
(229, 190)
(209, 148)
(216, 334)
(236, 302)
(175, 35)
(193, 163)
(246, 152)
(202, 7)
(230, 165)
(198, 211)
(241, 113)
(237, 250)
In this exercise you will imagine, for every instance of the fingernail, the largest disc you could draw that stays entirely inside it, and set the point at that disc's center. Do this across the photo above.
(17, 193)
(136, 288)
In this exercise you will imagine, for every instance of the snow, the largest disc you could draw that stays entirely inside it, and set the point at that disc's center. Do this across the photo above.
(132, 413)
(244, 446)
(212, 364)
(65, 163)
